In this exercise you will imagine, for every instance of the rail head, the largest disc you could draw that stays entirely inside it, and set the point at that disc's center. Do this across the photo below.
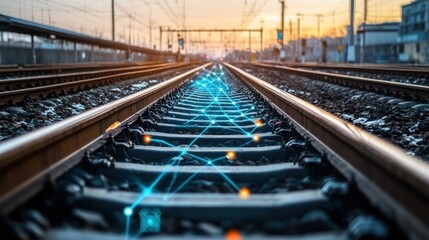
(25, 157)
(401, 179)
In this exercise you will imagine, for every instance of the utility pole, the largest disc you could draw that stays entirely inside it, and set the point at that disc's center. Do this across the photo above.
(150, 27)
(282, 52)
(319, 16)
(113, 20)
(290, 36)
(160, 38)
(365, 16)
(129, 30)
(298, 34)
(351, 47)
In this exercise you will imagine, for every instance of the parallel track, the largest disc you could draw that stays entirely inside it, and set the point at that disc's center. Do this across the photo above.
(402, 70)
(34, 87)
(418, 92)
(218, 114)
(15, 71)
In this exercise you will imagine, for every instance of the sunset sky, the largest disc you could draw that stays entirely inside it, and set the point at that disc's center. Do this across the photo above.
(94, 17)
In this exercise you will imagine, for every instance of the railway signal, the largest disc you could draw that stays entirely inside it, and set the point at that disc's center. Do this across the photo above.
(279, 36)
(181, 42)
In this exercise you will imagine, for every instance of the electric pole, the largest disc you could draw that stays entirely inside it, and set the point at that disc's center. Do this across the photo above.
(282, 53)
(298, 34)
(365, 15)
(319, 16)
(113, 20)
(351, 47)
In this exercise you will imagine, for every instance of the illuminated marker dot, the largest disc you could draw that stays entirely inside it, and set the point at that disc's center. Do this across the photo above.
(231, 120)
(202, 110)
(218, 78)
(215, 99)
(210, 162)
(233, 235)
(208, 75)
(248, 134)
(242, 115)
(147, 139)
(128, 211)
(252, 107)
(147, 191)
(220, 89)
(258, 122)
(256, 138)
(204, 85)
(244, 193)
(213, 121)
(233, 103)
(231, 155)
(198, 83)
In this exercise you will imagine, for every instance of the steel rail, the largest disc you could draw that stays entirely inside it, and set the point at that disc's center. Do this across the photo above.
(416, 91)
(59, 68)
(18, 95)
(27, 161)
(21, 82)
(396, 69)
(394, 181)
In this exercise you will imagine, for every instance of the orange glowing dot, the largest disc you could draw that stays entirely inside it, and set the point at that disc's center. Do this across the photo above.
(233, 235)
(244, 193)
(256, 138)
(258, 122)
(146, 139)
(113, 126)
(230, 155)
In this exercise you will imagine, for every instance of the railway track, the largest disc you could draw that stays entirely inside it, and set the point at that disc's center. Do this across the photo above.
(17, 71)
(402, 71)
(212, 153)
(410, 91)
(15, 90)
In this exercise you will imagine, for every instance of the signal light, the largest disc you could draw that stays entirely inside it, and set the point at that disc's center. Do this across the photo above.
(279, 36)
(181, 42)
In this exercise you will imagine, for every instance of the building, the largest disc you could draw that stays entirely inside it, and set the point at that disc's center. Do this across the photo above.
(377, 43)
(414, 32)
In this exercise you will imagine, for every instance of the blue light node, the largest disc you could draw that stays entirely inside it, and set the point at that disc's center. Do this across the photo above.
(213, 121)
(242, 115)
(215, 99)
(210, 162)
(202, 110)
(147, 191)
(128, 211)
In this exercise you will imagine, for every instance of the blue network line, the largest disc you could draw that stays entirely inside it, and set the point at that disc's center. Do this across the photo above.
(214, 85)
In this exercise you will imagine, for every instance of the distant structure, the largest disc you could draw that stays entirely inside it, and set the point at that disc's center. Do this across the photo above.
(379, 42)
(414, 33)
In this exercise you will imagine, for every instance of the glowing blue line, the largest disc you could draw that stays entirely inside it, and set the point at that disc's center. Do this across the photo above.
(189, 179)
(127, 231)
(233, 184)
